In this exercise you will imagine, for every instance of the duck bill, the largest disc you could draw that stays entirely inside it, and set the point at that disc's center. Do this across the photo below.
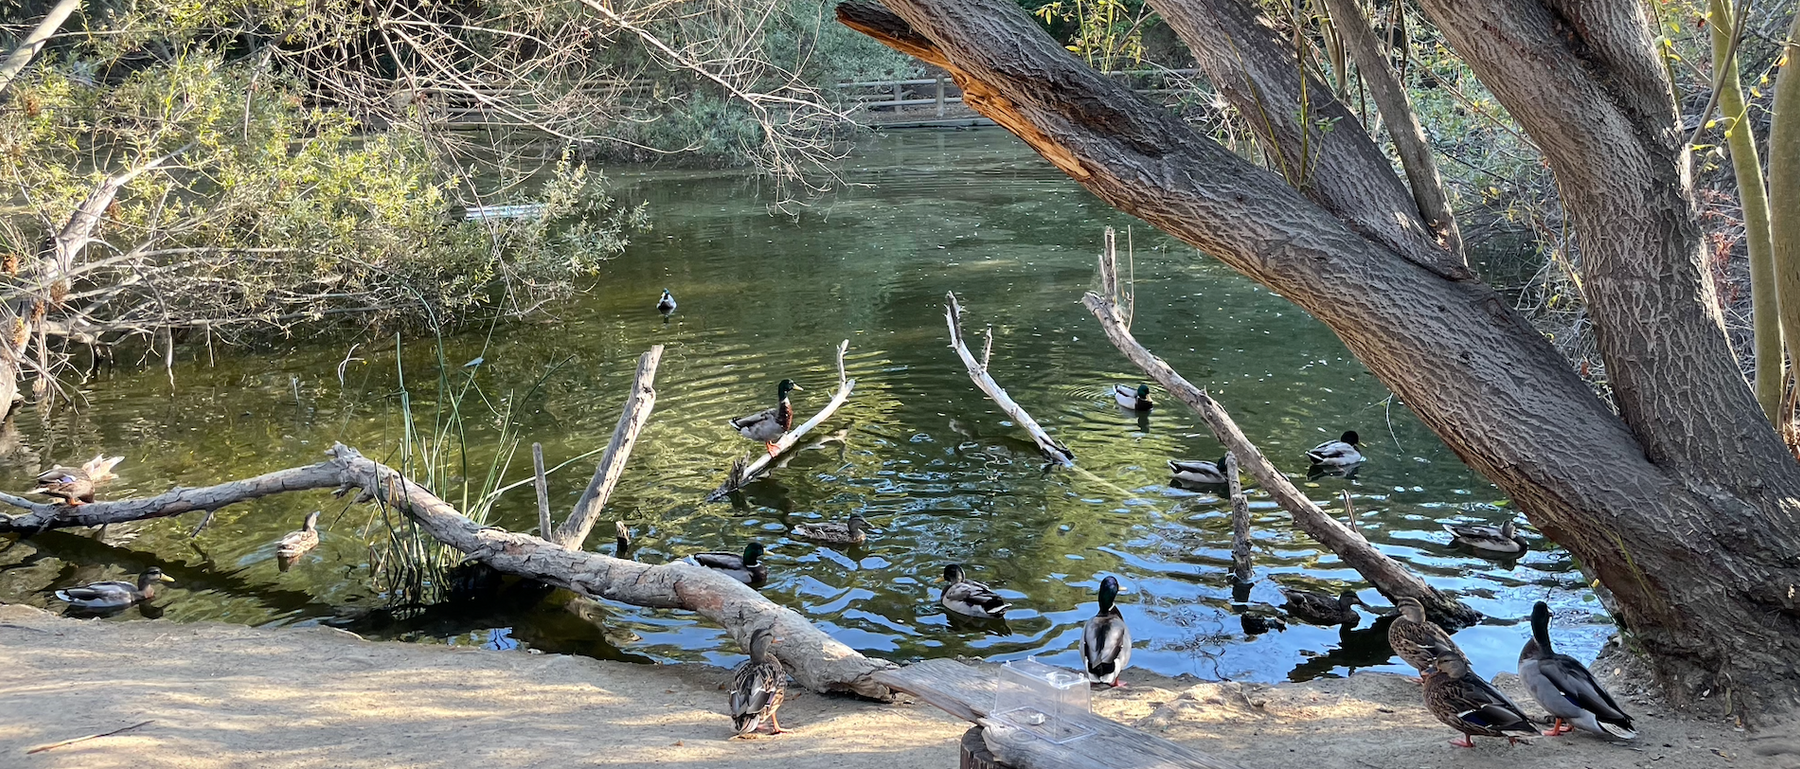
(165, 578)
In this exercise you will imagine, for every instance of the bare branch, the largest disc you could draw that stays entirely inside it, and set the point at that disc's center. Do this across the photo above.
(1052, 449)
(574, 531)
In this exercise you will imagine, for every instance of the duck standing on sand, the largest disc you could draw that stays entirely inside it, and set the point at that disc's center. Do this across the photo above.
(1105, 641)
(1564, 686)
(1413, 637)
(771, 423)
(1339, 453)
(758, 685)
(1467, 703)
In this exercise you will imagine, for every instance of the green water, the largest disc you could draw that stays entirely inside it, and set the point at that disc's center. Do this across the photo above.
(921, 453)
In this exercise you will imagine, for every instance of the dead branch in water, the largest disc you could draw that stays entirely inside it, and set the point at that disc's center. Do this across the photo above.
(815, 660)
(1240, 522)
(741, 473)
(574, 531)
(1052, 449)
(1386, 574)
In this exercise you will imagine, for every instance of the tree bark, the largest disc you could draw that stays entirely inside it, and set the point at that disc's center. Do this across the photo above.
(1784, 191)
(1685, 508)
(815, 660)
(638, 406)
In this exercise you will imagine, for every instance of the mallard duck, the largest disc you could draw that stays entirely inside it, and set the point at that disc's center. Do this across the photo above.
(100, 596)
(666, 304)
(1339, 453)
(621, 540)
(1503, 539)
(758, 685)
(1199, 471)
(69, 485)
(1564, 686)
(1320, 609)
(1105, 641)
(970, 598)
(746, 568)
(851, 531)
(770, 424)
(1136, 400)
(296, 543)
(1468, 704)
(1413, 637)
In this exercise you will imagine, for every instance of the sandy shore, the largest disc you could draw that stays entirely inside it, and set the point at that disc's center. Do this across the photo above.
(230, 696)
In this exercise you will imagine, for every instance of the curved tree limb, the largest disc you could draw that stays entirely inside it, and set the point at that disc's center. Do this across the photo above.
(1052, 448)
(1386, 574)
(574, 531)
(815, 660)
(34, 42)
(742, 473)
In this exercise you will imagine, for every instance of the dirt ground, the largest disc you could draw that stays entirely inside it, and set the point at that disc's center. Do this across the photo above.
(230, 696)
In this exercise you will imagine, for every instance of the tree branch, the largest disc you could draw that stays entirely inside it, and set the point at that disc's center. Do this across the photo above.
(574, 531)
(744, 473)
(34, 42)
(1386, 574)
(1052, 449)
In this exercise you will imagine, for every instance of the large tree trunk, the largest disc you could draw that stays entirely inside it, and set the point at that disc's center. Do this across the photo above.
(1685, 509)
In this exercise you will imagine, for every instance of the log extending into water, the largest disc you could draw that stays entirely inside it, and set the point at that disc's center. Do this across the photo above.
(1386, 574)
(815, 660)
(1052, 449)
(742, 474)
(574, 531)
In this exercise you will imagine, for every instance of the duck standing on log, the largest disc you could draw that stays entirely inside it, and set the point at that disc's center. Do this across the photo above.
(771, 423)
(75, 485)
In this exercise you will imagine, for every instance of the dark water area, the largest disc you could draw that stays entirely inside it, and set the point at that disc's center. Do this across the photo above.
(917, 450)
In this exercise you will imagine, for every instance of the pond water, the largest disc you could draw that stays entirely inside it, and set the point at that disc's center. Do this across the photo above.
(917, 449)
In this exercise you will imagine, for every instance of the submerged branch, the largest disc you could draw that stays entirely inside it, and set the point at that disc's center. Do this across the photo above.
(1052, 449)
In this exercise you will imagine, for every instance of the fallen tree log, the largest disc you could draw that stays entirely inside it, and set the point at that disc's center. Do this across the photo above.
(742, 473)
(1386, 574)
(815, 660)
(1052, 449)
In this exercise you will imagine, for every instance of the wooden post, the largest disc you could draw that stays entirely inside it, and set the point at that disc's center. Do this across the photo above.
(543, 489)
(940, 94)
(1240, 523)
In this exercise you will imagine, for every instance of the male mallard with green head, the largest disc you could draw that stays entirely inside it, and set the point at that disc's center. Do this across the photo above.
(747, 568)
(101, 596)
(1199, 471)
(1105, 641)
(758, 685)
(1467, 703)
(1136, 400)
(771, 423)
(851, 531)
(1564, 686)
(666, 304)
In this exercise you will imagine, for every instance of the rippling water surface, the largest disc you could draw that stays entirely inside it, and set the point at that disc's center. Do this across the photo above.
(917, 450)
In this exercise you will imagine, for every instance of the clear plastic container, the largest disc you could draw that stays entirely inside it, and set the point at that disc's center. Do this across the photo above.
(1042, 700)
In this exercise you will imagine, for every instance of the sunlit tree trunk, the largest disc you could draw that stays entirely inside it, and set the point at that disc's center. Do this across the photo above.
(1784, 189)
(1683, 501)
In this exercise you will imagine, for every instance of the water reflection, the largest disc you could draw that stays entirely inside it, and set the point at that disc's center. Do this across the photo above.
(916, 450)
